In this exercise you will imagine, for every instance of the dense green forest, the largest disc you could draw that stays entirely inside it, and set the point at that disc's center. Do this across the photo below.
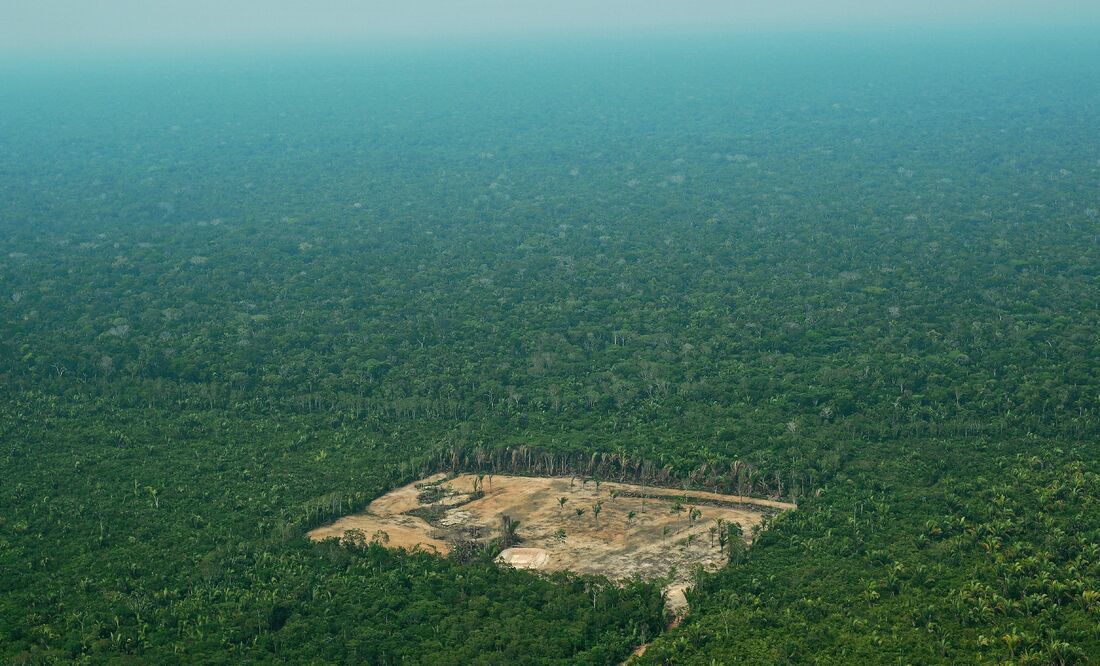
(241, 297)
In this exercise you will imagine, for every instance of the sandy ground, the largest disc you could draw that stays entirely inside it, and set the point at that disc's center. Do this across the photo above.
(653, 543)
(385, 514)
(524, 558)
(676, 597)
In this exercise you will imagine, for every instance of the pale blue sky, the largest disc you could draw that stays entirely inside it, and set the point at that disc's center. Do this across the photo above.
(32, 25)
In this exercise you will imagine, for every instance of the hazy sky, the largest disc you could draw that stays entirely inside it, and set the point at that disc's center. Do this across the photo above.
(29, 25)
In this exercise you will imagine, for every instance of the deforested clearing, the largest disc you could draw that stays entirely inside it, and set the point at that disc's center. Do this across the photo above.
(617, 530)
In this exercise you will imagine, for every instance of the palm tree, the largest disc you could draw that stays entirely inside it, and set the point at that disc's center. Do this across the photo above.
(596, 508)
(1091, 599)
(153, 493)
(733, 542)
(1061, 651)
(508, 529)
(630, 517)
(693, 515)
(1012, 640)
(561, 503)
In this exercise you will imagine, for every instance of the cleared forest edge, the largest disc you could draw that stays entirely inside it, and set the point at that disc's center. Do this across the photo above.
(618, 530)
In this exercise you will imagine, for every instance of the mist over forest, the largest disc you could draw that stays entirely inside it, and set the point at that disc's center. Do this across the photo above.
(244, 295)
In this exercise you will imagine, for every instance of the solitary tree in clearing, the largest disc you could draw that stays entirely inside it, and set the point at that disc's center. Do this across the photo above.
(596, 508)
(630, 517)
(693, 515)
(719, 524)
(508, 529)
(733, 539)
(561, 503)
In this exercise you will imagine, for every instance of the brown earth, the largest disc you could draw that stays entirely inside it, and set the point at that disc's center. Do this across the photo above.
(655, 542)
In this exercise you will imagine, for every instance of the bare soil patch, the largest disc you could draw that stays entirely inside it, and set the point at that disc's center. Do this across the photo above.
(525, 558)
(644, 531)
